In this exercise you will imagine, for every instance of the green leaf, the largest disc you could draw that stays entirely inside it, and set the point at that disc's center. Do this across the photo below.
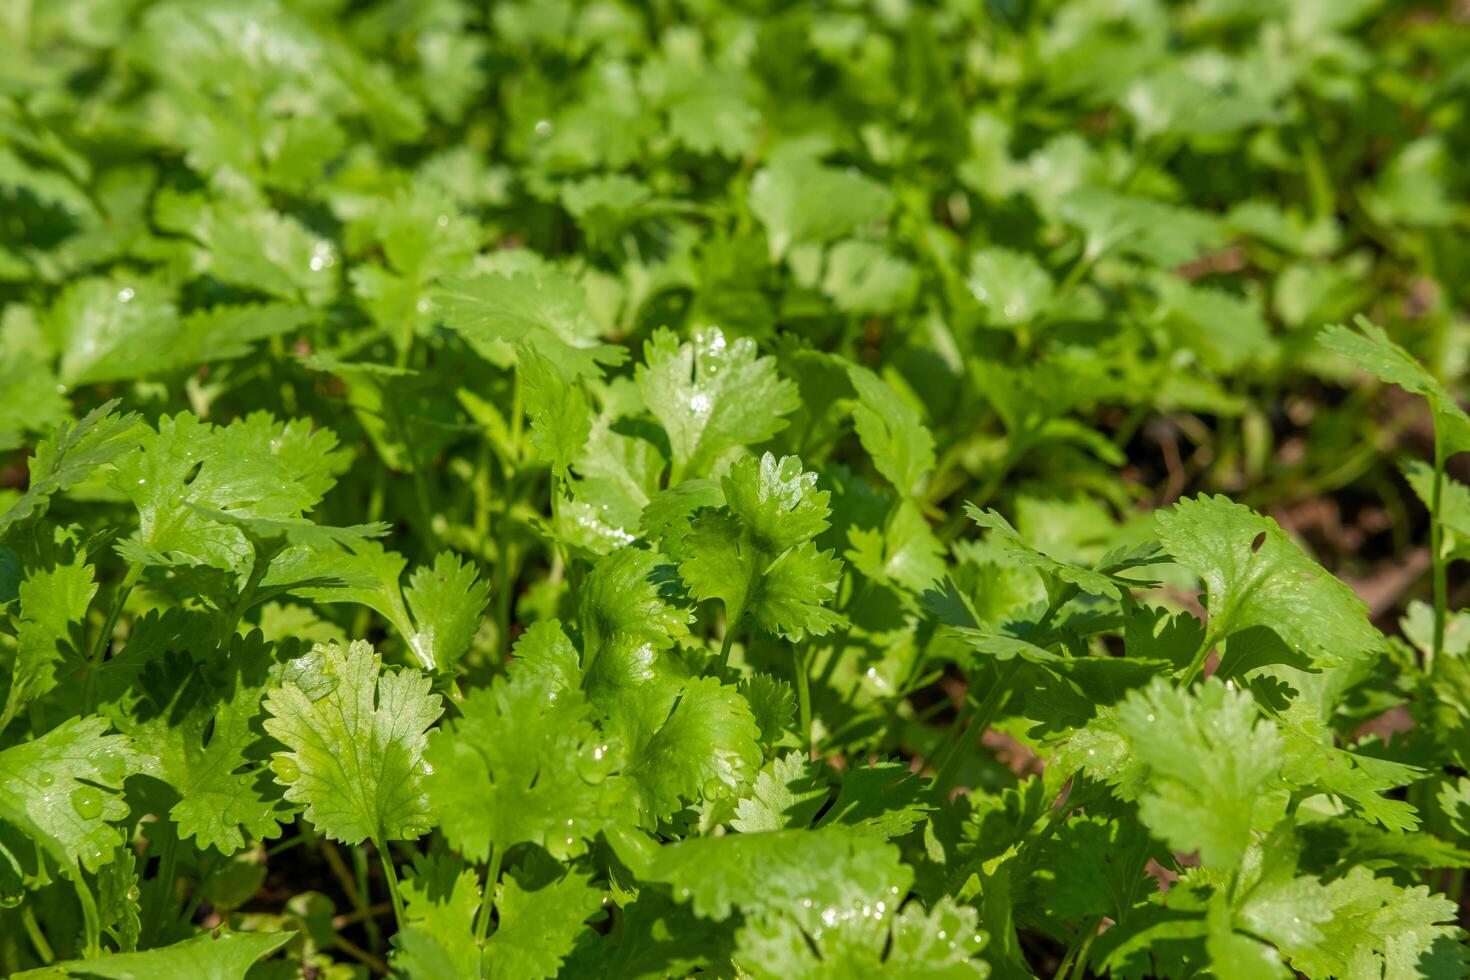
(800, 200)
(1012, 287)
(905, 553)
(786, 795)
(227, 956)
(524, 763)
(540, 308)
(892, 432)
(941, 943)
(866, 279)
(709, 746)
(254, 467)
(437, 614)
(561, 417)
(885, 798)
(806, 873)
(447, 601)
(1371, 349)
(757, 555)
(64, 791)
(255, 248)
(73, 454)
(711, 396)
(1206, 769)
(196, 728)
(49, 634)
(437, 938)
(1380, 929)
(541, 910)
(1105, 580)
(354, 745)
(1256, 577)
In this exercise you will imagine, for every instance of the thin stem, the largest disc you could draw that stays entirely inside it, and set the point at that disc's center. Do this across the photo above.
(1197, 662)
(390, 875)
(38, 938)
(91, 923)
(342, 874)
(949, 766)
(1436, 554)
(258, 568)
(803, 695)
(372, 912)
(375, 963)
(949, 753)
(104, 638)
(732, 622)
(211, 865)
(487, 903)
(162, 888)
(1077, 954)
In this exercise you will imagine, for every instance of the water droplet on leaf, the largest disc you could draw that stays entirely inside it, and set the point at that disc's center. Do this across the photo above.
(87, 802)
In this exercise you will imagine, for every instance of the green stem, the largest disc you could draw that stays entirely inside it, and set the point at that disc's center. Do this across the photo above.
(1197, 662)
(92, 925)
(731, 623)
(1077, 954)
(390, 875)
(162, 888)
(949, 767)
(803, 695)
(242, 603)
(104, 638)
(211, 865)
(1436, 555)
(487, 903)
(38, 938)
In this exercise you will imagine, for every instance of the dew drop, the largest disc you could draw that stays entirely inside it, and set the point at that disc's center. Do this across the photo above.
(715, 790)
(87, 802)
(134, 894)
(9, 900)
(543, 126)
(45, 779)
(125, 294)
(286, 768)
(591, 767)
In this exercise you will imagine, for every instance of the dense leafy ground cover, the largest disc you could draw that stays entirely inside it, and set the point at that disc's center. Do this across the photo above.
(729, 488)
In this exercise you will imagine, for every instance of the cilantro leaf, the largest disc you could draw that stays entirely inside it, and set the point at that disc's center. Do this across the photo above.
(892, 432)
(196, 728)
(1255, 576)
(354, 740)
(1203, 767)
(541, 911)
(523, 764)
(800, 200)
(1372, 350)
(72, 454)
(226, 956)
(757, 555)
(64, 791)
(48, 648)
(711, 396)
(540, 308)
